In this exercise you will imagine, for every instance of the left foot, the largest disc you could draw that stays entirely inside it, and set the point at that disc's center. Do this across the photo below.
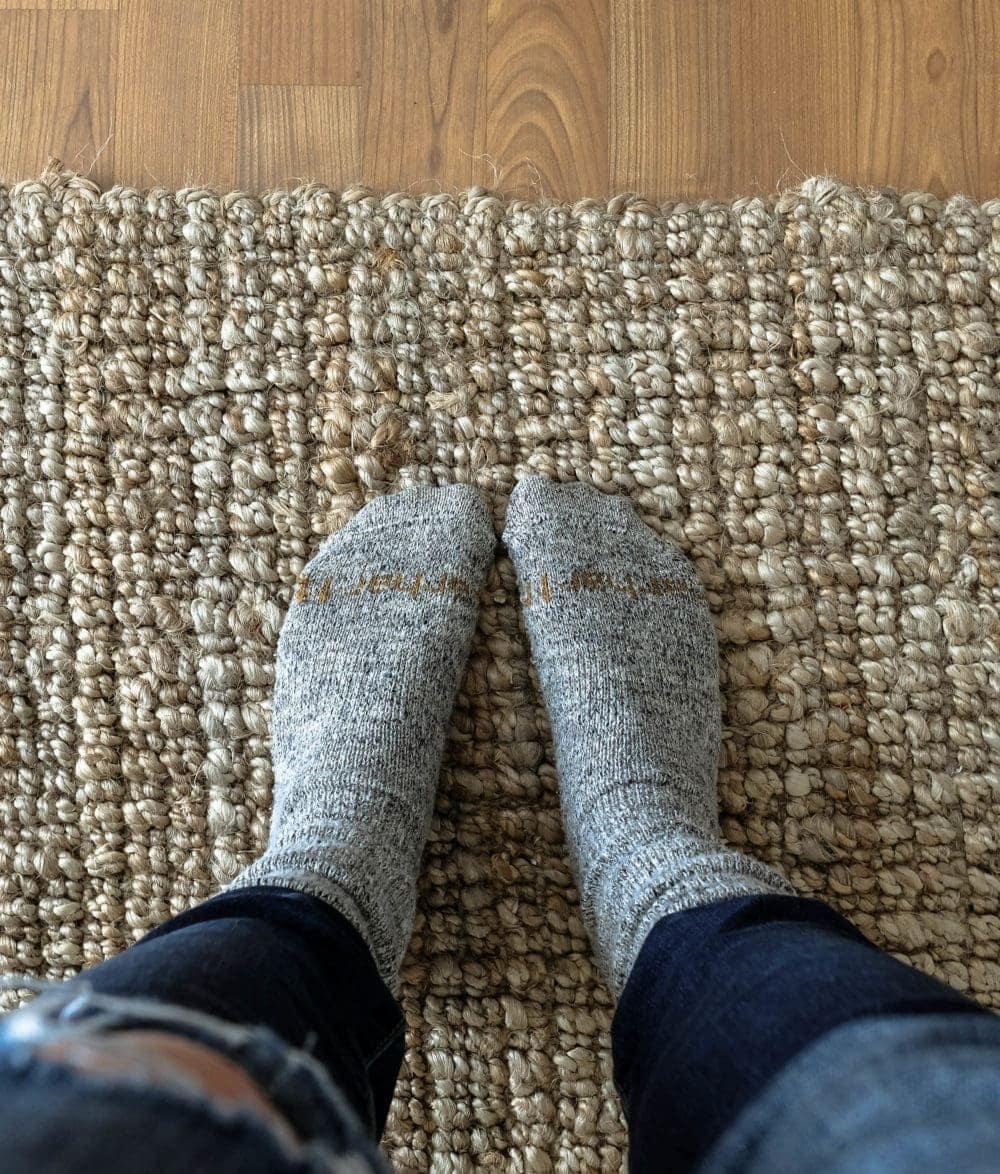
(369, 660)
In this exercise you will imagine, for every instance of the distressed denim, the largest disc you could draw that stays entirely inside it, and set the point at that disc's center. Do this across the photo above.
(273, 979)
(760, 1035)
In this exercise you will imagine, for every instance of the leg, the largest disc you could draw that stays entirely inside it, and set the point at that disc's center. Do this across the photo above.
(280, 959)
(628, 661)
(724, 996)
(308, 941)
(723, 975)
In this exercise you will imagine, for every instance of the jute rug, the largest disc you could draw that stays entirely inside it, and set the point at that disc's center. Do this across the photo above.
(197, 388)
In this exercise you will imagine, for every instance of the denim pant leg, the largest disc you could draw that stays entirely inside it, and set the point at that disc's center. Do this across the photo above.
(279, 959)
(274, 981)
(722, 997)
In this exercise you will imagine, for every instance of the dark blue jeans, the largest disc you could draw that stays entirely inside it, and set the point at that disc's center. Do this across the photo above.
(273, 979)
(723, 997)
(721, 1002)
(284, 960)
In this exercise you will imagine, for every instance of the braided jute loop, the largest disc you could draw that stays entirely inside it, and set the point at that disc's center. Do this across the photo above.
(195, 388)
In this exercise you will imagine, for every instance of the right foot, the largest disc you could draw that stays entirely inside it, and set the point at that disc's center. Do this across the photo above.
(628, 661)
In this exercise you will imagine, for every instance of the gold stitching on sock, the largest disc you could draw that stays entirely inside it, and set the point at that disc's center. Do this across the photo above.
(584, 579)
(387, 583)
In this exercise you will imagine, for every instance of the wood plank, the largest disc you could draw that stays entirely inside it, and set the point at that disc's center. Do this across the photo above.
(981, 26)
(290, 134)
(424, 90)
(702, 98)
(547, 95)
(874, 93)
(175, 113)
(669, 97)
(300, 42)
(795, 93)
(928, 66)
(57, 92)
(59, 5)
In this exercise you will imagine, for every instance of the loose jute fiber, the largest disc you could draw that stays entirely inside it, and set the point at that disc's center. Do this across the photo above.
(195, 389)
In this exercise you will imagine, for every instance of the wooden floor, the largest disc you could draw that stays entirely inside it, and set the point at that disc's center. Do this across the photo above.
(559, 98)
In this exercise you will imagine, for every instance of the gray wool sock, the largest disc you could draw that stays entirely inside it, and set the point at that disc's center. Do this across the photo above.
(369, 660)
(628, 661)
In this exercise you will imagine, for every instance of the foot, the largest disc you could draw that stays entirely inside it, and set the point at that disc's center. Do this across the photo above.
(369, 660)
(628, 661)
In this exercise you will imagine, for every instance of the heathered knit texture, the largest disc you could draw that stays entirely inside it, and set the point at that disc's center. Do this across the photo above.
(628, 661)
(369, 660)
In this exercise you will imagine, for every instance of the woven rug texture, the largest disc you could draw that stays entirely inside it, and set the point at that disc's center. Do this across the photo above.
(196, 388)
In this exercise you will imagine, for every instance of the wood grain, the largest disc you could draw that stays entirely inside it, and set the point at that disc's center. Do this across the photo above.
(424, 93)
(175, 110)
(58, 5)
(300, 42)
(807, 112)
(937, 62)
(823, 105)
(670, 100)
(298, 133)
(547, 94)
(562, 98)
(982, 133)
(68, 56)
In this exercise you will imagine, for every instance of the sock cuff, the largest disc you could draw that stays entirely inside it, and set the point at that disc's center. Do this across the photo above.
(287, 870)
(735, 876)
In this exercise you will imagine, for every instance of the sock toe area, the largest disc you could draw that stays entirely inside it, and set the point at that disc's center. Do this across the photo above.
(452, 522)
(571, 507)
(575, 526)
(457, 501)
